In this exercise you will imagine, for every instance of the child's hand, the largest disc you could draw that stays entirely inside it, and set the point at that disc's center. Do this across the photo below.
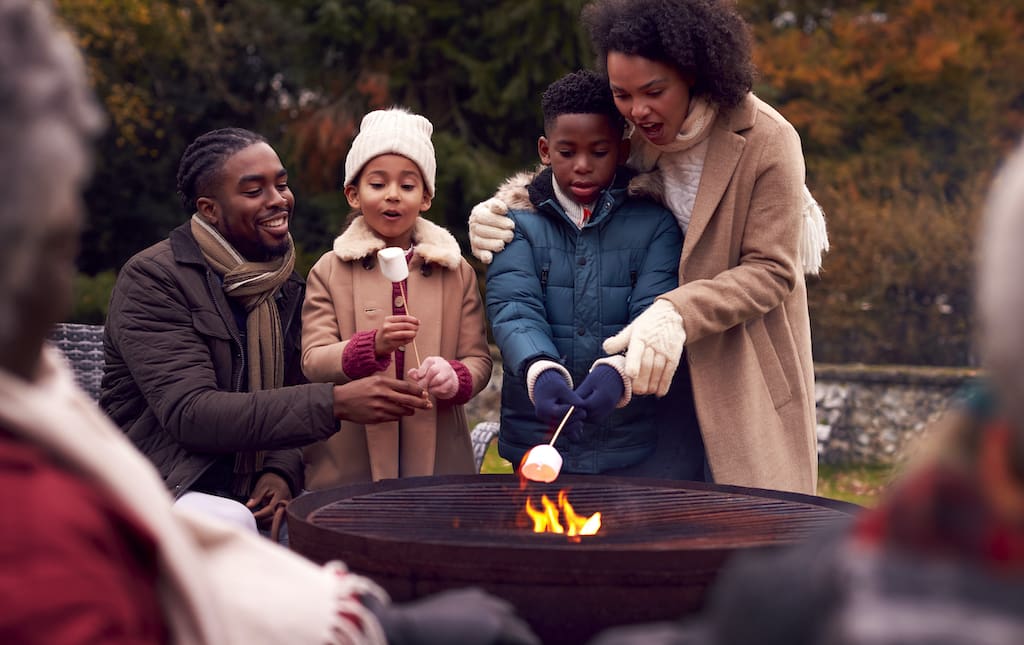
(437, 376)
(397, 331)
(601, 391)
(552, 397)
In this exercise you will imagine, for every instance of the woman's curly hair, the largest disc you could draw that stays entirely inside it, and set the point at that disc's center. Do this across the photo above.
(706, 38)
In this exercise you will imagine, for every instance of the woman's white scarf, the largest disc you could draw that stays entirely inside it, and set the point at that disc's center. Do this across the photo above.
(697, 126)
(217, 584)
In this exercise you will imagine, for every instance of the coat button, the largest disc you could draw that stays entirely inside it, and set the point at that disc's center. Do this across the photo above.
(399, 301)
(581, 261)
(580, 331)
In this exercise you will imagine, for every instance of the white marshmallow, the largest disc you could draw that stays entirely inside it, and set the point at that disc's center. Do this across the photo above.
(542, 463)
(393, 264)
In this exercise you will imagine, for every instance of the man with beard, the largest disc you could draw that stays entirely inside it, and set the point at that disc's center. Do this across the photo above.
(202, 342)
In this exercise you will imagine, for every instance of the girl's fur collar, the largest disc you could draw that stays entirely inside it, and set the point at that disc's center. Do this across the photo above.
(431, 242)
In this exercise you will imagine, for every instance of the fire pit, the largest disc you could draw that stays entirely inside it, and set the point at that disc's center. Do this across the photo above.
(660, 544)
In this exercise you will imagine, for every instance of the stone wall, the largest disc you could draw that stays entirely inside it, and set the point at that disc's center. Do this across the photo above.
(870, 414)
(866, 414)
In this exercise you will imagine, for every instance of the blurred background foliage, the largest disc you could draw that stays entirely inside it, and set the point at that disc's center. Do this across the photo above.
(904, 108)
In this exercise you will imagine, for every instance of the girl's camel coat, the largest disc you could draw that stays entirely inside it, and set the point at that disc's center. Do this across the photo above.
(346, 293)
(743, 301)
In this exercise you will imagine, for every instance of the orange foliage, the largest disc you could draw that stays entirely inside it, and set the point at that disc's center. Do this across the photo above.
(321, 134)
(904, 113)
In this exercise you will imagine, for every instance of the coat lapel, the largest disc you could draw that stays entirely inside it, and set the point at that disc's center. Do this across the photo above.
(425, 299)
(724, 150)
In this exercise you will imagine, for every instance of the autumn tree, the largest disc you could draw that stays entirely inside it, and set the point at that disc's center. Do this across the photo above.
(905, 109)
(166, 71)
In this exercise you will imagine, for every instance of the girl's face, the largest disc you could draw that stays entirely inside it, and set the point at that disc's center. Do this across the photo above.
(653, 96)
(391, 195)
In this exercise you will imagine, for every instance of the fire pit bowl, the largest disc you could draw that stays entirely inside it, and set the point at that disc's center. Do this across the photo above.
(660, 545)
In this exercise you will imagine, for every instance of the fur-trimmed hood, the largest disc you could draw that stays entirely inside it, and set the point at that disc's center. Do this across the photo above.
(513, 191)
(431, 242)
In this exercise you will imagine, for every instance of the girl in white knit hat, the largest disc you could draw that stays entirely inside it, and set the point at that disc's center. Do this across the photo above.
(356, 321)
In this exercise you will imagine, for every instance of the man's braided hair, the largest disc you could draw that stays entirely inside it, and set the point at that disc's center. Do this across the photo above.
(204, 158)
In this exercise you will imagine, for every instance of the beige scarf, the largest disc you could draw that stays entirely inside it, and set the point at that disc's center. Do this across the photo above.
(696, 128)
(254, 285)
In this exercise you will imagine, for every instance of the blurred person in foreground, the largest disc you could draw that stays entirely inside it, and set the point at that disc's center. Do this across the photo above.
(91, 548)
(941, 559)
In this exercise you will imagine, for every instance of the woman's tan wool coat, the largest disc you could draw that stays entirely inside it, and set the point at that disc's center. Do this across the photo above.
(346, 294)
(743, 301)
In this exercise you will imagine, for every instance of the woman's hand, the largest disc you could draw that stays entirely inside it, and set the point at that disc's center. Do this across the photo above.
(397, 331)
(490, 229)
(653, 344)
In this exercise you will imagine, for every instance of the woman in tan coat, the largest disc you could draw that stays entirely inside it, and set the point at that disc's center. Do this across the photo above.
(731, 170)
(356, 322)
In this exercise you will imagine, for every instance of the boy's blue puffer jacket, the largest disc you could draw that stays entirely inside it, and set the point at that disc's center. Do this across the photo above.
(557, 292)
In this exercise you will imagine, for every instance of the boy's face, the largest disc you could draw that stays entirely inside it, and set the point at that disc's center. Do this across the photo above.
(583, 151)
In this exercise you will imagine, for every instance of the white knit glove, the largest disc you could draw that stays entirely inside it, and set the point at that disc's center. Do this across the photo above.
(437, 376)
(490, 229)
(653, 344)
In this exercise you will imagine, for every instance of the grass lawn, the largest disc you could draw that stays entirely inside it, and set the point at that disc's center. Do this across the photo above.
(858, 484)
(493, 463)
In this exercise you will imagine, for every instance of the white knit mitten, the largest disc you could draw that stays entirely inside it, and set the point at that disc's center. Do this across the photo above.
(437, 376)
(653, 344)
(490, 229)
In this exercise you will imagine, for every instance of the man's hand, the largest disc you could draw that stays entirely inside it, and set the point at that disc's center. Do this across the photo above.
(490, 229)
(270, 490)
(653, 344)
(437, 376)
(378, 398)
(397, 331)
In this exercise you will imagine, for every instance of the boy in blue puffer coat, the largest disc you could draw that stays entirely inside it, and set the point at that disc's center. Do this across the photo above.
(586, 259)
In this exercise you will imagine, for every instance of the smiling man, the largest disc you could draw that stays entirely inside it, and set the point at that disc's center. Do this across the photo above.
(202, 342)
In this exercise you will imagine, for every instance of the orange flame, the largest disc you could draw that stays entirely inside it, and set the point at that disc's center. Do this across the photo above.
(547, 519)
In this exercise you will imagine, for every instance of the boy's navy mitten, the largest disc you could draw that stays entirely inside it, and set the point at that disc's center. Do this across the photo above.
(552, 397)
(600, 392)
